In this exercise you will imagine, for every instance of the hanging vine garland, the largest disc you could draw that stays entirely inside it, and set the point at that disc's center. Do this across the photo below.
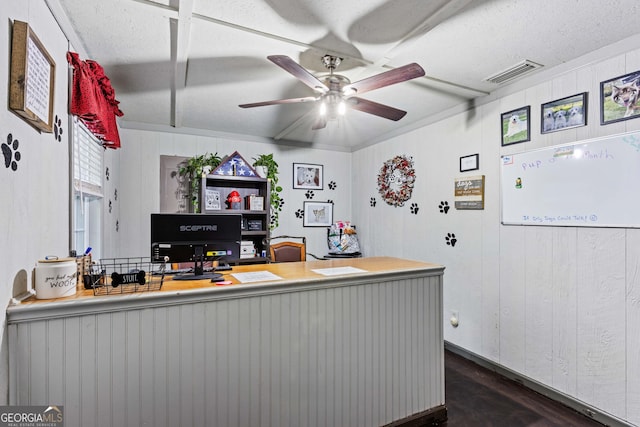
(396, 180)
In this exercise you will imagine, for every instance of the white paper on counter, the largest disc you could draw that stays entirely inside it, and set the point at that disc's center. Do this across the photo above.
(256, 276)
(336, 271)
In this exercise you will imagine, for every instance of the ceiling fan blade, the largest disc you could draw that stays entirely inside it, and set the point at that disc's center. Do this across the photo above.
(374, 108)
(319, 123)
(397, 75)
(279, 101)
(298, 72)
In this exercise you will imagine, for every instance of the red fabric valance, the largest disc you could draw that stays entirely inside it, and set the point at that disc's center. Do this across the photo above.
(93, 100)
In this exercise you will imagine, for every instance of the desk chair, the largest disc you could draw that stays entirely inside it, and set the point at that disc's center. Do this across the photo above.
(288, 251)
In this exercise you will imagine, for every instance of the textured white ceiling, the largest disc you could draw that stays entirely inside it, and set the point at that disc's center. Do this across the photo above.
(190, 63)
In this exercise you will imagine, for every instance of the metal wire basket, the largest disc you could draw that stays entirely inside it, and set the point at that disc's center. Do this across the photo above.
(124, 275)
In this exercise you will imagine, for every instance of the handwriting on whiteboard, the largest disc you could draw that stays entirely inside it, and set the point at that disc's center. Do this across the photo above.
(559, 219)
(577, 154)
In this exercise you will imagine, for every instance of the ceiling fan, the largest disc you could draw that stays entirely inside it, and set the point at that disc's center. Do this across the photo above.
(335, 91)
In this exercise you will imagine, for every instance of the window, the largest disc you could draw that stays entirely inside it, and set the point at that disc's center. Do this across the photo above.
(88, 156)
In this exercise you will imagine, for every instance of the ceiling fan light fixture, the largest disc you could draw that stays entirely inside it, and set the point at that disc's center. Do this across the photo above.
(349, 91)
(323, 108)
(342, 108)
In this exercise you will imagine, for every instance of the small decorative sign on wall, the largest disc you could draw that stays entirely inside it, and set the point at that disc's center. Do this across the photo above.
(469, 193)
(32, 78)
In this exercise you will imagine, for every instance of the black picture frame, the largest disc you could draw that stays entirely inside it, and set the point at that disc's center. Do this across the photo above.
(610, 110)
(308, 176)
(565, 113)
(317, 214)
(470, 163)
(515, 126)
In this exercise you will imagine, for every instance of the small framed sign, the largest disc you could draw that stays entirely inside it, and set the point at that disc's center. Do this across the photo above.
(212, 200)
(470, 163)
(469, 193)
(31, 83)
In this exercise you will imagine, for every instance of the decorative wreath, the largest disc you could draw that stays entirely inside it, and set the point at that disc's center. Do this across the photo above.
(396, 179)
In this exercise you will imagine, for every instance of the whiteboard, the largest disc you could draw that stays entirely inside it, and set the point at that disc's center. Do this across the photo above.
(591, 183)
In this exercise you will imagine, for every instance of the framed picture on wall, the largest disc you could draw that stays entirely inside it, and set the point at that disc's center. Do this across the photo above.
(515, 126)
(565, 113)
(307, 176)
(619, 98)
(469, 163)
(318, 214)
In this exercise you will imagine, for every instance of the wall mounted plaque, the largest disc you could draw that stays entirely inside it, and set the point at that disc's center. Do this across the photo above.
(32, 78)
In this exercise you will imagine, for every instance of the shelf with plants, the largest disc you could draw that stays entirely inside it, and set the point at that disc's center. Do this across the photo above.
(214, 191)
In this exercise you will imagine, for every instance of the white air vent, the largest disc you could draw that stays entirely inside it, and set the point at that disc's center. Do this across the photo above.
(513, 72)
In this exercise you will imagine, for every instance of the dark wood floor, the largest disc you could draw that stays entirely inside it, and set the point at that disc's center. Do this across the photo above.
(478, 397)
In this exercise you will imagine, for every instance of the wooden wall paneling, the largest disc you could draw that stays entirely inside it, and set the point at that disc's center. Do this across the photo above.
(539, 298)
(632, 321)
(223, 379)
(55, 360)
(133, 366)
(512, 297)
(319, 357)
(38, 374)
(104, 366)
(583, 78)
(601, 301)
(70, 392)
(87, 371)
(189, 369)
(564, 309)
(117, 368)
(490, 233)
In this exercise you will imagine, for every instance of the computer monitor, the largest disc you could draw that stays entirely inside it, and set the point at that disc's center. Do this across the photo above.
(195, 238)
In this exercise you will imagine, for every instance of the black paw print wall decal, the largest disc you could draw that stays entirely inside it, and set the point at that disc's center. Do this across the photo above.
(444, 207)
(330, 201)
(372, 202)
(10, 152)
(414, 208)
(451, 239)
(115, 194)
(309, 194)
(300, 213)
(332, 185)
(106, 173)
(57, 129)
(110, 206)
(117, 226)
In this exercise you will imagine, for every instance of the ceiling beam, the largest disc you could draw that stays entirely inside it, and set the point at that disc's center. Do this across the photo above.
(180, 31)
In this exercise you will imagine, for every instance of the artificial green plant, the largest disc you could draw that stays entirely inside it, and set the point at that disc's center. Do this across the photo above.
(192, 169)
(275, 200)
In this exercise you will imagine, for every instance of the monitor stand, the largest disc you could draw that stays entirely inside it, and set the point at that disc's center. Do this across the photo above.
(198, 271)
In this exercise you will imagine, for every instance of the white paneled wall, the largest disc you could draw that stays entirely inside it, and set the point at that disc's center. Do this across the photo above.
(558, 305)
(355, 355)
(139, 189)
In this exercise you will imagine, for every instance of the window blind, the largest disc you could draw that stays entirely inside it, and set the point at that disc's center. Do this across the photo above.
(87, 160)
